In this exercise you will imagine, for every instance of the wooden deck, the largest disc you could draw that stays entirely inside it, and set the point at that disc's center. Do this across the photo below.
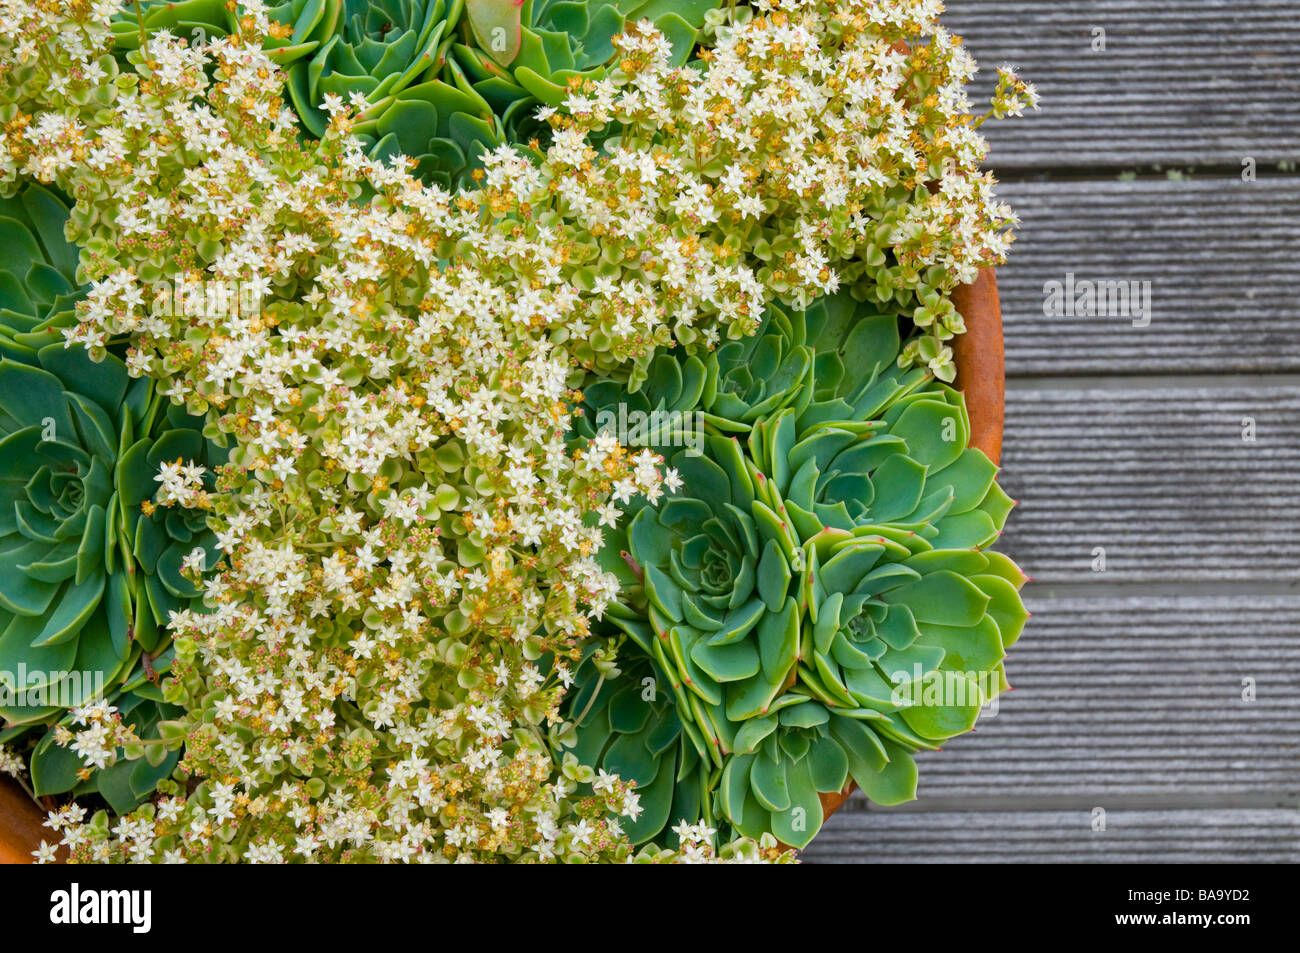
(1156, 711)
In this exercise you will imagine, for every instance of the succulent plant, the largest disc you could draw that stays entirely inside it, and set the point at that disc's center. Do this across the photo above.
(629, 727)
(306, 23)
(126, 783)
(530, 52)
(394, 52)
(38, 272)
(817, 593)
(446, 79)
(89, 568)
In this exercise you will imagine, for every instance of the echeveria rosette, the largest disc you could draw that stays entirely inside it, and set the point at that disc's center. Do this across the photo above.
(89, 569)
(816, 593)
(536, 51)
(395, 54)
(447, 79)
(38, 272)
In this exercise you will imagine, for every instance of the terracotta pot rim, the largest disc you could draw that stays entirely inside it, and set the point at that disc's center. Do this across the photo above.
(981, 366)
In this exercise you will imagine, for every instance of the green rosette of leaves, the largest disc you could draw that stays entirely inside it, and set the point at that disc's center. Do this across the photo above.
(395, 54)
(538, 51)
(447, 79)
(817, 595)
(38, 272)
(90, 569)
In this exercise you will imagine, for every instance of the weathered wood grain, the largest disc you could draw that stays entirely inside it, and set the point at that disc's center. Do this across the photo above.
(1125, 705)
(1219, 254)
(1200, 82)
(957, 837)
(1161, 479)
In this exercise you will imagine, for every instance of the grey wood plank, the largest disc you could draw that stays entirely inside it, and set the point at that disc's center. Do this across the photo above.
(964, 837)
(1136, 702)
(1160, 479)
(1219, 255)
(1200, 82)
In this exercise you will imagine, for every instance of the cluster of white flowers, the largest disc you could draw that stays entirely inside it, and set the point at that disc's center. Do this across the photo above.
(97, 734)
(181, 483)
(10, 763)
(409, 535)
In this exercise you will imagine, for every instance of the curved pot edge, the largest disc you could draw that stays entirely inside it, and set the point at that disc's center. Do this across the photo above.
(21, 824)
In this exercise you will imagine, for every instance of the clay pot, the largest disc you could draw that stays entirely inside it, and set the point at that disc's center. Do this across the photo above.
(20, 825)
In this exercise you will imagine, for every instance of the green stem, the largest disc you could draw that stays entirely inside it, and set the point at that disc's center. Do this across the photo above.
(144, 39)
(590, 701)
(30, 793)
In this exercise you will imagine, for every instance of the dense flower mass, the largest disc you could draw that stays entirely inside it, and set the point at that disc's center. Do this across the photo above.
(410, 540)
